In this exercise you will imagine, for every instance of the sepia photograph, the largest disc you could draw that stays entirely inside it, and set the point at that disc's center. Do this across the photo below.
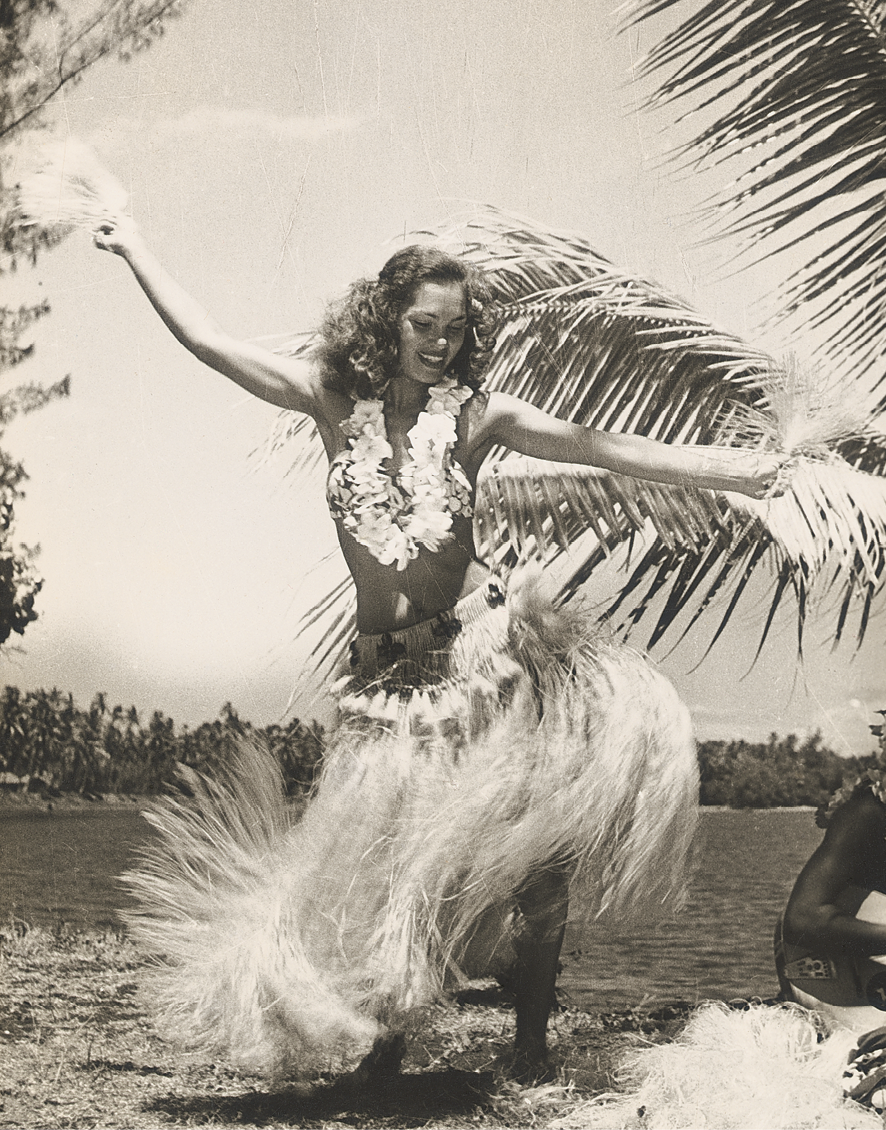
(442, 552)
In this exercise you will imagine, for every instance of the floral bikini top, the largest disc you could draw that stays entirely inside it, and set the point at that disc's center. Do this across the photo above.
(394, 516)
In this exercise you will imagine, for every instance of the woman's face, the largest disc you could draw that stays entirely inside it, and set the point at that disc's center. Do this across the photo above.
(432, 331)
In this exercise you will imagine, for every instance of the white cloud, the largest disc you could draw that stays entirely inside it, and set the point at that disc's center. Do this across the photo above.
(209, 120)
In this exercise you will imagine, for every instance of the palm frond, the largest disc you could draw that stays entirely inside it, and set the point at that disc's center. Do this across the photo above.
(294, 438)
(331, 622)
(800, 84)
(827, 536)
(587, 342)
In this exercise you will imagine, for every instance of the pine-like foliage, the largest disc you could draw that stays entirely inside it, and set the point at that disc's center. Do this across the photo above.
(45, 45)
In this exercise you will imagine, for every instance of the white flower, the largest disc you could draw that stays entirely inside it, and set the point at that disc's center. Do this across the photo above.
(394, 522)
(372, 449)
(429, 524)
(448, 396)
(433, 430)
(368, 417)
(397, 549)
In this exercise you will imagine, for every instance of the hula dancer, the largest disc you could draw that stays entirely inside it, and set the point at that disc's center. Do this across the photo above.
(495, 754)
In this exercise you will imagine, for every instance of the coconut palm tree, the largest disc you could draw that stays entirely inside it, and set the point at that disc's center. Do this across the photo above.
(590, 343)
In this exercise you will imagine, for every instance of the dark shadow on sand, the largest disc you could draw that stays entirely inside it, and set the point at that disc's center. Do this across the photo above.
(411, 1099)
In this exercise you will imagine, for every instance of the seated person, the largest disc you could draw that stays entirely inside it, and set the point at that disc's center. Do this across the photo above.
(830, 945)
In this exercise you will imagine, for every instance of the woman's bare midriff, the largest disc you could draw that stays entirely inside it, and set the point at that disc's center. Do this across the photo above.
(389, 599)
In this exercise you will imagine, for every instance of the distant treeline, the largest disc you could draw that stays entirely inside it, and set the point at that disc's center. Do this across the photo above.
(781, 771)
(51, 744)
(48, 743)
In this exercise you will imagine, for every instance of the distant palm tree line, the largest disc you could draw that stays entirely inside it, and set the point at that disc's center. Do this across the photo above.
(52, 745)
(778, 772)
(49, 744)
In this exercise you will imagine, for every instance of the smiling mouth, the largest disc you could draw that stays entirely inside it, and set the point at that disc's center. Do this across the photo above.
(433, 362)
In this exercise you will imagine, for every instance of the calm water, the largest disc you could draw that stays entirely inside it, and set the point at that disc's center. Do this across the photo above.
(60, 867)
(721, 945)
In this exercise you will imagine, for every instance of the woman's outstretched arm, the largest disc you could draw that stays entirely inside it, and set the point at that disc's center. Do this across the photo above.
(520, 426)
(283, 381)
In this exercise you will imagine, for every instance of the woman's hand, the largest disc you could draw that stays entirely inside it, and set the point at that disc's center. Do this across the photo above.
(117, 234)
(770, 475)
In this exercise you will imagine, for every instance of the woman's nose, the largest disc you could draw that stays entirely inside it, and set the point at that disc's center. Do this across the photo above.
(443, 341)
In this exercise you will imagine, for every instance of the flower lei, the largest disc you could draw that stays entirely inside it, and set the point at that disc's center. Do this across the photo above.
(394, 519)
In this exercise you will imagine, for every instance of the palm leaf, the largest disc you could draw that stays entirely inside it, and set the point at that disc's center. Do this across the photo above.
(589, 343)
(294, 437)
(827, 535)
(800, 85)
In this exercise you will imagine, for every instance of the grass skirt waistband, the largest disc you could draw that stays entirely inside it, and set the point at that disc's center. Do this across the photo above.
(473, 751)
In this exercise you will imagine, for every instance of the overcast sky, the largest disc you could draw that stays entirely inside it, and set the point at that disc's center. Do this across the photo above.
(272, 152)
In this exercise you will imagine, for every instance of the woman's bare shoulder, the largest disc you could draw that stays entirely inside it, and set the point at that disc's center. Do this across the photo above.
(317, 391)
(484, 410)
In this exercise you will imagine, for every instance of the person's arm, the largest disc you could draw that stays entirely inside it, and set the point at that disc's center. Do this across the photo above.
(830, 888)
(286, 382)
(521, 427)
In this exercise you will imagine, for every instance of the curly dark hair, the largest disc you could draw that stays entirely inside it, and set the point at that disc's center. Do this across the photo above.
(360, 337)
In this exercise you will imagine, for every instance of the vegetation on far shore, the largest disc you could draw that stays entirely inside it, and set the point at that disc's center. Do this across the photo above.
(49, 746)
(780, 772)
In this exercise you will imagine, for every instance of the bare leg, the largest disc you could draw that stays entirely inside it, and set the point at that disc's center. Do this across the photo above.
(543, 903)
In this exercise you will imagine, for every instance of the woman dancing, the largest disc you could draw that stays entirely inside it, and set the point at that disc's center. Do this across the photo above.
(495, 755)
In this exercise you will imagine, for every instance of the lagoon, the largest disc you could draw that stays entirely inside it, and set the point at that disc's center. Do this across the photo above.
(61, 867)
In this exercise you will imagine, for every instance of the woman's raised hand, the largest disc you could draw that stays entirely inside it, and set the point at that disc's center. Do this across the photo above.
(117, 234)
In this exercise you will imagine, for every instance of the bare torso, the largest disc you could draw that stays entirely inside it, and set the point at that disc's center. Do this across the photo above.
(848, 864)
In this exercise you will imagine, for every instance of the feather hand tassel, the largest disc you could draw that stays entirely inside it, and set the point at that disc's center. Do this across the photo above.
(63, 184)
(808, 412)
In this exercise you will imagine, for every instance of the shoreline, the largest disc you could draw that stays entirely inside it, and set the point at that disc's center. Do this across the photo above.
(59, 801)
(72, 801)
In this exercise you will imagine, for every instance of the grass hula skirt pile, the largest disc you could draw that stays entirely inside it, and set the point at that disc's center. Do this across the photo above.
(290, 945)
(759, 1067)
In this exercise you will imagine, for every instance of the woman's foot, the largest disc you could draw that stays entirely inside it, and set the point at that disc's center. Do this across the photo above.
(382, 1062)
(529, 1068)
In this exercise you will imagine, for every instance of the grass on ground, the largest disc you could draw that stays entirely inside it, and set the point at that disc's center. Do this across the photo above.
(77, 1049)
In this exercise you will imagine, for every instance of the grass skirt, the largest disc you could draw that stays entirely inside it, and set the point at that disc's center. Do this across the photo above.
(475, 750)
(734, 1069)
